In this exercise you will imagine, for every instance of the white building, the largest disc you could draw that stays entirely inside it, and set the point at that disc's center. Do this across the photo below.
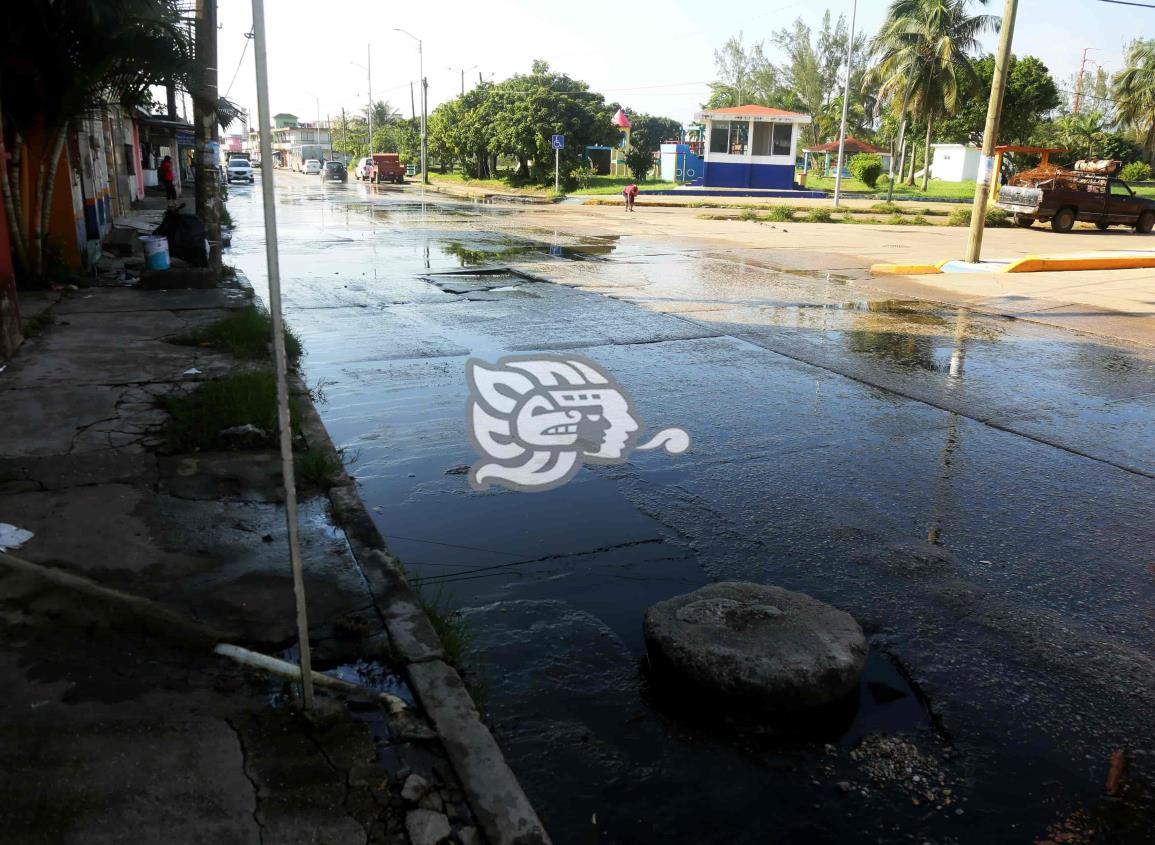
(955, 162)
(751, 147)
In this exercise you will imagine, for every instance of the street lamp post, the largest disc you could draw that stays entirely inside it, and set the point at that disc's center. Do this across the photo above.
(424, 97)
(845, 105)
(463, 70)
(369, 74)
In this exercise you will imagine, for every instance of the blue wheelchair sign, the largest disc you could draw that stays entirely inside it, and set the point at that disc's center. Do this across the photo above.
(557, 142)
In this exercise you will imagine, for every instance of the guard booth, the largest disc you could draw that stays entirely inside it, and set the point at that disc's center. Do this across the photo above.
(751, 147)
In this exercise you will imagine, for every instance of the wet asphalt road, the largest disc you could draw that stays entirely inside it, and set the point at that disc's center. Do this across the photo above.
(833, 432)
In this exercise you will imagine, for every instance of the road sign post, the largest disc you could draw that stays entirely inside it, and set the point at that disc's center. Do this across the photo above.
(558, 144)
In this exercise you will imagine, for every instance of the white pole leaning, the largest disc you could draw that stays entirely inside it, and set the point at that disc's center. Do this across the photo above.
(845, 105)
(279, 362)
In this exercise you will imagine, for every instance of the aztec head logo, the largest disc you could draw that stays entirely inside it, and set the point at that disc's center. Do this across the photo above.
(536, 419)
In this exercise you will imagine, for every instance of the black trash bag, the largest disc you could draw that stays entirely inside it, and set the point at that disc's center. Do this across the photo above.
(186, 237)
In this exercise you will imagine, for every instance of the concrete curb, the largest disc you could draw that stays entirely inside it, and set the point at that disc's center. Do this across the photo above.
(496, 797)
(1026, 264)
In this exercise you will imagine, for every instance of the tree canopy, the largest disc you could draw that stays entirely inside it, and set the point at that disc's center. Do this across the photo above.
(1031, 95)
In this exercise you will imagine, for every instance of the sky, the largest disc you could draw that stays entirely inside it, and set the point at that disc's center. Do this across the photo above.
(655, 57)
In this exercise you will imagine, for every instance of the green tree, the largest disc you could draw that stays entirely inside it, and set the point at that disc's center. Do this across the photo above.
(1134, 92)
(640, 161)
(1031, 96)
(744, 76)
(649, 131)
(527, 109)
(813, 72)
(923, 59)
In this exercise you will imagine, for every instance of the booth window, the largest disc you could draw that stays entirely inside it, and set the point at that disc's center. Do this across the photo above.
(782, 136)
(739, 133)
(719, 137)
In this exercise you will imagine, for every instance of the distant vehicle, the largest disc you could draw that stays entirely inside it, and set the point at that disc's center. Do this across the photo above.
(300, 154)
(239, 170)
(361, 171)
(335, 172)
(1068, 196)
(387, 167)
(312, 167)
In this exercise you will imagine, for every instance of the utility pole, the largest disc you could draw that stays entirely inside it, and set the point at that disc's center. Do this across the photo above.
(412, 103)
(463, 70)
(272, 257)
(990, 133)
(424, 100)
(369, 70)
(205, 167)
(845, 105)
(1079, 81)
(344, 136)
(424, 134)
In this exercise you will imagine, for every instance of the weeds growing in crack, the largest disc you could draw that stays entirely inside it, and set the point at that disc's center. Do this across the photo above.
(449, 625)
(245, 333)
(318, 468)
(238, 399)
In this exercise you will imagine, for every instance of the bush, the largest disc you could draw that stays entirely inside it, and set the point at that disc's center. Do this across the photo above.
(819, 215)
(780, 213)
(866, 168)
(750, 214)
(886, 208)
(640, 161)
(583, 175)
(1136, 171)
(996, 218)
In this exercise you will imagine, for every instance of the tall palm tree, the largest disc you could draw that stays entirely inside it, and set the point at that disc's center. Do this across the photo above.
(1134, 92)
(923, 59)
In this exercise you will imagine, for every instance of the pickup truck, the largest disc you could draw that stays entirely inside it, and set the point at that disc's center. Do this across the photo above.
(386, 167)
(1102, 200)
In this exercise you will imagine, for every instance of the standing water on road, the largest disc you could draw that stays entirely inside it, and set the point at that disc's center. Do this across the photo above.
(976, 491)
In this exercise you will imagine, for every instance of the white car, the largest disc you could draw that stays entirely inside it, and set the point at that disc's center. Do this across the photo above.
(362, 169)
(239, 170)
(312, 167)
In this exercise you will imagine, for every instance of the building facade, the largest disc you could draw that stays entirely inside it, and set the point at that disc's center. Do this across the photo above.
(751, 147)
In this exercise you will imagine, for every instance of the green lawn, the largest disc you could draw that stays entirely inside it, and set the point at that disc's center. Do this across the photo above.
(936, 188)
(614, 185)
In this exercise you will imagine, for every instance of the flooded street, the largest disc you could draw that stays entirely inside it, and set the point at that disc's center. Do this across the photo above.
(834, 432)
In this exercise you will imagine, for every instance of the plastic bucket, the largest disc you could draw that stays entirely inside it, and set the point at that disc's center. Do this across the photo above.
(155, 252)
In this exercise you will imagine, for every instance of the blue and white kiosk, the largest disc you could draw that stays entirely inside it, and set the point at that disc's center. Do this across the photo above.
(751, 147)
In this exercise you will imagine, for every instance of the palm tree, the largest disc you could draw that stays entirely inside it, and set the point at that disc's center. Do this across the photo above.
(923, 58)
(58, 60)
(1134, 92)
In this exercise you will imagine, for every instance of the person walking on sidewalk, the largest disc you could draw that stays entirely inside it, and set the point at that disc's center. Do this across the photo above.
(167, 179)
(631, 194)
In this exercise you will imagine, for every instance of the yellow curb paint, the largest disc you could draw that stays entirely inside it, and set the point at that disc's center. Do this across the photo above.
(905, 269)
(1041, 263)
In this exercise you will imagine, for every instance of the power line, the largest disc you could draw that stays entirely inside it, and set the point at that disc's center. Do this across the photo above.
(1128, 3)
(248, 38)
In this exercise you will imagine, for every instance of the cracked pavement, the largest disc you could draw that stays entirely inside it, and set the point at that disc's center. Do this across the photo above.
(973, 488)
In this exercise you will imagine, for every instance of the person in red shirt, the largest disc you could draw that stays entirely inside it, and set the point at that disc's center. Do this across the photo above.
(631, 193)
(166, 178)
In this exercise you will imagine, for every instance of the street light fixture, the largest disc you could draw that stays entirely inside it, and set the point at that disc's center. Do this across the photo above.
(463, 70)
(369, 74)
(424, 99)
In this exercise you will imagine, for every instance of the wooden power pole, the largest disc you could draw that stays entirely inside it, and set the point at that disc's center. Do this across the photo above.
(206, 168)
(991, 132)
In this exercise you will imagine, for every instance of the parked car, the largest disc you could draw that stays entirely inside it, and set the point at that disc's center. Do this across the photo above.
(1070, 196)
(386, 167)
(361, 171)
(311, 167)
(335, 172)
(239, 170)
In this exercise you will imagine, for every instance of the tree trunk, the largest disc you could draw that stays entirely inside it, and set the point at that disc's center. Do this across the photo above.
(49, 188)
(12, 207)
(926, 155)
(522, 167)
(910, 171)
(42, 199)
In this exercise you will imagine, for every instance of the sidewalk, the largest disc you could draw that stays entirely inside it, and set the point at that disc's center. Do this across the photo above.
(116, 729)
